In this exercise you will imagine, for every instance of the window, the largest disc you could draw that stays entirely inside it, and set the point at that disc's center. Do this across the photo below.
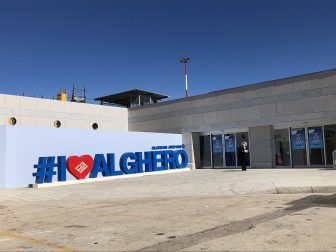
(12, 121)
(95, 126)
(57, 124)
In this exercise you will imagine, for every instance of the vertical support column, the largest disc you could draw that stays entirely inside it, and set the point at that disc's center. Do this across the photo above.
(196, 149)
(191, 140)
(261, 147)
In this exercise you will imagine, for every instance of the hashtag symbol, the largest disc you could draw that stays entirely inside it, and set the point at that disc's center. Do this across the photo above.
(45, 170)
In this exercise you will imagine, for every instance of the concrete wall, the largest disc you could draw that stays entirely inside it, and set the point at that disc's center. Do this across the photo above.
(261, 146)
(301, 100)
(31, 111)
(284, 101)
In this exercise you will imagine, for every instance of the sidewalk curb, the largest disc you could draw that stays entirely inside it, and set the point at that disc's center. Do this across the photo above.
(304, 189)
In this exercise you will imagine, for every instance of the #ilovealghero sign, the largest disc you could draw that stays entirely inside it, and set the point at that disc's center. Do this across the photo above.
(30, 155)
(160, 158)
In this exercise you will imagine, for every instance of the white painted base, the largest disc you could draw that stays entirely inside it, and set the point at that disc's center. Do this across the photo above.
(91, 180)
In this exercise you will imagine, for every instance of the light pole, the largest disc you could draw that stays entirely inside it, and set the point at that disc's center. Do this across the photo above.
(185, 61)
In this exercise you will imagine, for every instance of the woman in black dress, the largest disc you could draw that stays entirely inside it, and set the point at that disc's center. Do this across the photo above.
(243, 155)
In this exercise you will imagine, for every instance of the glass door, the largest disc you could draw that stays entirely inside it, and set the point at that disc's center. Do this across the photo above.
(330, 142)
(217, 151)
(205, 151)
(281, 147)
(230, 150)
(243, 137)
(298, 144)
(316, 146)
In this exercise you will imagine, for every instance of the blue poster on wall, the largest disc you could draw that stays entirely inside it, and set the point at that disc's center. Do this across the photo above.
(298, 139)
(230, 145)
(217, 144)
(315, 138)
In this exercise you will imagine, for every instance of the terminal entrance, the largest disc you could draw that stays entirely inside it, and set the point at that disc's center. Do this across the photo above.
(307, 147)
(217, 151)
(298, 143)
(293, 147)
(220, 150)
(316, 146)
(304, 146)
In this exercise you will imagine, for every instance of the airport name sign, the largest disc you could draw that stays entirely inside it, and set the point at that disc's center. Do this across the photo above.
(159, 159)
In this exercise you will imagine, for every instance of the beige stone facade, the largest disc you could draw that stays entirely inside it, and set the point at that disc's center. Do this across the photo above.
(29, 111)
(258, 109)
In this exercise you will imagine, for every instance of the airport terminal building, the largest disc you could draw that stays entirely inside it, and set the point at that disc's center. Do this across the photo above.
(287, 123)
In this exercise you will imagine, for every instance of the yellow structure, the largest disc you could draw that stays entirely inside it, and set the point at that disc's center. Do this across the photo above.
(62, 96)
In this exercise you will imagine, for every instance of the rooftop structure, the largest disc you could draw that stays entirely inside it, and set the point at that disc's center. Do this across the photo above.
(132, 98)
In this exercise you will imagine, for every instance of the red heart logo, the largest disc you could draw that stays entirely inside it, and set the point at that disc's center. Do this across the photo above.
(81, 166)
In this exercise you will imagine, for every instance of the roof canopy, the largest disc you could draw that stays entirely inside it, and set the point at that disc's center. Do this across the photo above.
(128, 98)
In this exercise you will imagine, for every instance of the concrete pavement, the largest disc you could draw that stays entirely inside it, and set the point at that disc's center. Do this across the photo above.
(194, 183)
(202, 210)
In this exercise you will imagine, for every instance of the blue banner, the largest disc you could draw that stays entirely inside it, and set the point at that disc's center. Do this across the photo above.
(230, 145)
(315, 138)
(217, 144)
(298, 139)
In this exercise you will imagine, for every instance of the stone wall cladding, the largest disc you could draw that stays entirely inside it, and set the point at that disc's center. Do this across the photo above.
(281, 101)
(30, 111)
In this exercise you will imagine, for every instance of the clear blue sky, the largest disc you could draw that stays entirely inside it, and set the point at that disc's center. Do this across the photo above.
(115, 45)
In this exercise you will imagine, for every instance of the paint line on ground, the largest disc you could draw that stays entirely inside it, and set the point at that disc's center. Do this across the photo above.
(37, 242)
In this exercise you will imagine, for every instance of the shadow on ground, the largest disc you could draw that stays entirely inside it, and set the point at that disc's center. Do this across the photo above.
(178, 243)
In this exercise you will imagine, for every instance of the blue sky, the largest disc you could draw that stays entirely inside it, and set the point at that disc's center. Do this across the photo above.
(115, 45)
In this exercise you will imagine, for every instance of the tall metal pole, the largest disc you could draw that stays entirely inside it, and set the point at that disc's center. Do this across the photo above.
(186, 78)
(185, 61)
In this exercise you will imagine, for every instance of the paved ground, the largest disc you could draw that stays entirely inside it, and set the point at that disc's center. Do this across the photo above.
(198, 210)
(195, 183)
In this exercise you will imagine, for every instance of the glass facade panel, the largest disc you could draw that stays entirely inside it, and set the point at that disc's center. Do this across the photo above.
(316, 146)
(296, 147)
(330, 142)
(281, 146)
(230, 149)
(217, 151)
(243, 137)
(298, 143)
(205, 151)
